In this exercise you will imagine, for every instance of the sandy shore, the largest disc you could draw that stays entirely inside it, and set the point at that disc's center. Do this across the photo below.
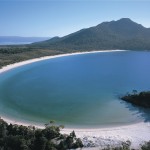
(99, 138)
(18, 64)
(114, 136)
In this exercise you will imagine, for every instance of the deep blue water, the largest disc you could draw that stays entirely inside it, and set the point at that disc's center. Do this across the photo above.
(78, 90)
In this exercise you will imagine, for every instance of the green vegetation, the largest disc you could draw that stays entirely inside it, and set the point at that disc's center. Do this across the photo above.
(13, 54)
(127, 146)
(124, 146)
(16, 137)
(140, 99)
(122, 34)
(146, 146)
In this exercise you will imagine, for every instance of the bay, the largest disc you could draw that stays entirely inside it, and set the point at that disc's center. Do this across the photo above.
(78, 90)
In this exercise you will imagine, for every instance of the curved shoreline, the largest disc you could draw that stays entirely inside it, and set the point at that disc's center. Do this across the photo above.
(136, 133)
(30, 61)
(18, 64)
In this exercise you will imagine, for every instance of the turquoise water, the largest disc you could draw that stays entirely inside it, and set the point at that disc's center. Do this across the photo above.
(76, 91)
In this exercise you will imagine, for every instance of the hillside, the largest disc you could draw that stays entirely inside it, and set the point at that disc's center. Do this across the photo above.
(121, 34)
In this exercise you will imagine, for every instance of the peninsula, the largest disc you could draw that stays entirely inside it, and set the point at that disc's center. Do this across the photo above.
(140, 99)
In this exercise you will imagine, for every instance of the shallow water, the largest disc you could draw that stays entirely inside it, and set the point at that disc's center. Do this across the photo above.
(77, 90)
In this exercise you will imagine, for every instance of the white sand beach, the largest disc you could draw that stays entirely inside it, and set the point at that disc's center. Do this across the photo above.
(18, 64)
(114, 136)
(96, 138)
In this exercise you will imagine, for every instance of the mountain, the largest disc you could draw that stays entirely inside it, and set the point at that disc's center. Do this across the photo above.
(4, 40)
(120, 34)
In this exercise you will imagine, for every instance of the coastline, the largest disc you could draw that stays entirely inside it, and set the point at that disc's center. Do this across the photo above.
(100, 138)
(136, 133)
(18, 64)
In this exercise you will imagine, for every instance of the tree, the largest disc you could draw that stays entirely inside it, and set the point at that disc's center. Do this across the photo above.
(16, 137)
(72, 134)
(51, 132)
(146, 146)
(52, 122)
(134, 92)
(61, 126)
(3, 129)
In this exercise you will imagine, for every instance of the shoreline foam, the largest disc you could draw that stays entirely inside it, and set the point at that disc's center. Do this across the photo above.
(136, 133)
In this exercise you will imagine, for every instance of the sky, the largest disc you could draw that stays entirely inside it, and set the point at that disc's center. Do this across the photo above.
(48, 18)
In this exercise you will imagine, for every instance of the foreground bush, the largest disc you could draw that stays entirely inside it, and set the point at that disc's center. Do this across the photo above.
(146, 146)
(16, 137)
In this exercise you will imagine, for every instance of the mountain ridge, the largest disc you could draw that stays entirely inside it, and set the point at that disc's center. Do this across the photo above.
(121, 34)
